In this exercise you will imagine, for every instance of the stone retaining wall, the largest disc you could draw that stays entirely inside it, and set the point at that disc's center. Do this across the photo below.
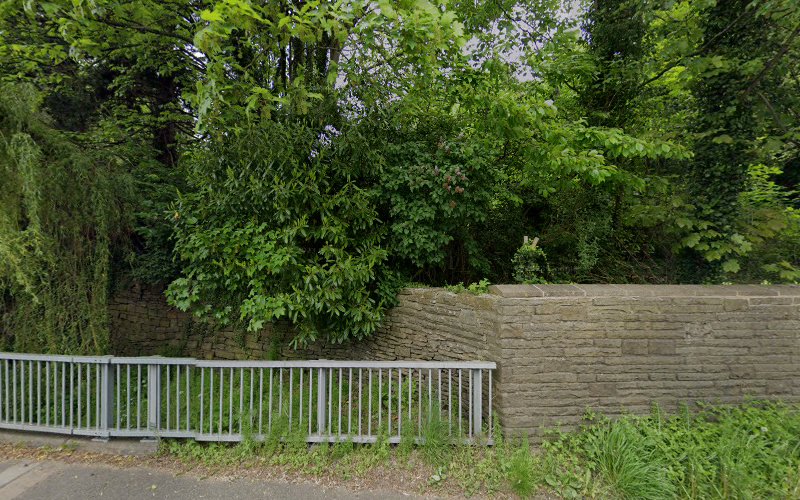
(560, 349)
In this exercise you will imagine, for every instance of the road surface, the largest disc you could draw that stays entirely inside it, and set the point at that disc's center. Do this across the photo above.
(51, 479)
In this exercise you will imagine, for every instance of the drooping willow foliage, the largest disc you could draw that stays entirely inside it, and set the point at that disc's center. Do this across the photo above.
(59, 207)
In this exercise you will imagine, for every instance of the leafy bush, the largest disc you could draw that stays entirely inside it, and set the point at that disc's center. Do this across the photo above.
(530, 265)
(276, 228)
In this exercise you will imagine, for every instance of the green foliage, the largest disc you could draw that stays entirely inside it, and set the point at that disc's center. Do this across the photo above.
(747, 451)
(277, 229)
(478, 288)
(60, 209)
(530, 265)
(299, 160)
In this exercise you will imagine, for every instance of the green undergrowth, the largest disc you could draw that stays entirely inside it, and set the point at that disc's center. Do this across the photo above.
(746, 451)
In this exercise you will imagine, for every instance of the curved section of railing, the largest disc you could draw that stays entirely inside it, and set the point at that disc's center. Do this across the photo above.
(211, 400)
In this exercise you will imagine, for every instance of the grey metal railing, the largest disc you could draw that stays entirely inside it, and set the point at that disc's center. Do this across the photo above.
(211, 400)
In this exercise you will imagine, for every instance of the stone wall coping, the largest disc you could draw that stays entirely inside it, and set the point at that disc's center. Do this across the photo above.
(527, 291)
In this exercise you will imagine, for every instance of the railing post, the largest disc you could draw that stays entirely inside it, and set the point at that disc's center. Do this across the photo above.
(106, 396)
(477, 402)
(322, 391)
(153, 397)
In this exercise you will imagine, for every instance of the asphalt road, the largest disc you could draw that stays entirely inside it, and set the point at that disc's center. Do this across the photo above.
(48, 479)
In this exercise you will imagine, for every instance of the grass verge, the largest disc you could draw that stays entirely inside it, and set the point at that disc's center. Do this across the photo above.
(746, 451)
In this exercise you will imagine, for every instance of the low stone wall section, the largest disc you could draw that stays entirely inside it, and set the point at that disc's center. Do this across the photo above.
(560, 349)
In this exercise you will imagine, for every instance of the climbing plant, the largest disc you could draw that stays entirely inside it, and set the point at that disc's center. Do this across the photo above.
(61, 207)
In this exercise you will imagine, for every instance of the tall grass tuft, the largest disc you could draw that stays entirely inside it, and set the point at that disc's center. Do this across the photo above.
(520, 470)
(628, 461)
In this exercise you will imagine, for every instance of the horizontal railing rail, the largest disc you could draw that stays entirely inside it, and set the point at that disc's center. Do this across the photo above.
(217, 400)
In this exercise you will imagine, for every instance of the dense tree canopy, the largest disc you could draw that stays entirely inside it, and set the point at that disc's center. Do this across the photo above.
(301, 160)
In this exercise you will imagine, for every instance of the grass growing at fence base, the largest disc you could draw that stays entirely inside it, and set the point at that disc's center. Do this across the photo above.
(746, 451)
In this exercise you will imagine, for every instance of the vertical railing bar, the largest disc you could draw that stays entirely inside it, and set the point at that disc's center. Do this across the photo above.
(300, 409)
(169, 380)
(230, 402)
(359, 401)
(119, 399)
(252, 385)
(476, 402)
(153, 398)
(430, 394)
(369, 402)
(269, 414)
(63, 394)
(211, 401)
(80, 391)
(202, 390)
(221, 385)
(330, 401)
(14, 390)
(291, 379)
(241, 398)
(349, 401)
(322, 379)
(460, 432)
(128, 398)
(261, 397)
(310, 396)
(389, 415)
(188, 407)
(400, 401)
(340, 403)
(4, 397)
(38, 393)
(490, 406)
(222, 396)
(4, 394)
(49, 403)
(380, 397)
(61, 373)
(419, 402)
(54, 392)
(440, 392)
(178, 397)
(411, 383)
(71, 395)
(470, 402)
(97, 395)
(88, 395)
(280, 392)
(3, 409)
(30, 392)
(138, 396)
(22, 396)
(46, 394)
